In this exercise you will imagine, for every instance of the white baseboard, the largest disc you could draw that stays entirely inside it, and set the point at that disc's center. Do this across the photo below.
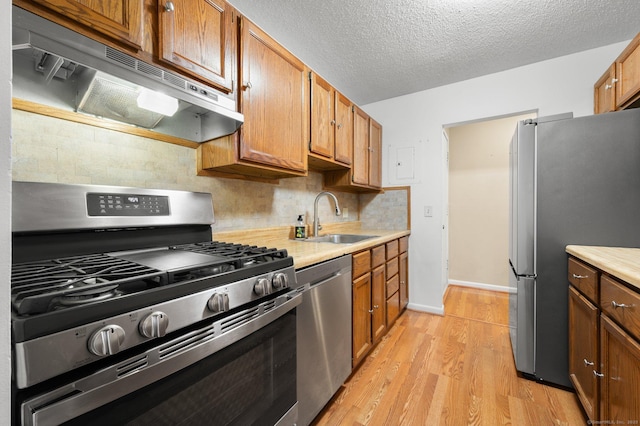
(482, 286)
(426, 308)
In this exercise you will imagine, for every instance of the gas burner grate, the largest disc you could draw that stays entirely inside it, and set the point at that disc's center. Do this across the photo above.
(42, 286)
(246, 254)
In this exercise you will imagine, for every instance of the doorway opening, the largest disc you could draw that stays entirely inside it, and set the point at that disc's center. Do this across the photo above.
(476, 219)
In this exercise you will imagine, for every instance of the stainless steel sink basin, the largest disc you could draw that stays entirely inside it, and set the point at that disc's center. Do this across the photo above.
(339, 238)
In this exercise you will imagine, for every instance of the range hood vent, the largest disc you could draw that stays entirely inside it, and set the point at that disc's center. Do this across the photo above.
(63, 69)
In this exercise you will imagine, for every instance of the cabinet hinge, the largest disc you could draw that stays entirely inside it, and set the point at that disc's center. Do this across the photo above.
(309, 75)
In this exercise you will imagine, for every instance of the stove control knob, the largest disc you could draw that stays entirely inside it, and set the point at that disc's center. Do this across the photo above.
(219, 302)
(107, 340)
(262, 287)
(280, 281)
(154, 325)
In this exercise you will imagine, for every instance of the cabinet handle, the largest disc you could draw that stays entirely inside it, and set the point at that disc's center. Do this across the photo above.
(586, 363)
(370, 311)
(607, 86)
(619, 305)
(169, 7)
(595, 373)
(614, 80)
(247, 85)
(376, 306)
(340, 126)
(579, 277)
(333, 122)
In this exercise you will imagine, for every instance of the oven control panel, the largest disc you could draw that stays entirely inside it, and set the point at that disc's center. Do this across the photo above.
(104, 204)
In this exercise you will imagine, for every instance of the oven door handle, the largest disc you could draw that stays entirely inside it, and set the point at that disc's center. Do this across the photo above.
(111, 383)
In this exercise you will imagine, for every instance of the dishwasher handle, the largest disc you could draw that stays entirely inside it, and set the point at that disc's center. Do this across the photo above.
(321, 273)
(309, 285)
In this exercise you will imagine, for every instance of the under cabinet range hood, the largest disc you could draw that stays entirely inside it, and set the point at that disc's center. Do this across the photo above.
(60, 68)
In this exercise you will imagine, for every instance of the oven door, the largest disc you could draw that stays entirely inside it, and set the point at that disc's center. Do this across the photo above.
(240, 370)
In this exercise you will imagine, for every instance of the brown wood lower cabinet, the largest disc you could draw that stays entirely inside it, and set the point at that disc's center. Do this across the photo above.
(378, 277)
(604, 344)
(583, 351)
(620, 359)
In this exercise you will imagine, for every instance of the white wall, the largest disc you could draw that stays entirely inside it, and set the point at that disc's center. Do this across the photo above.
(416, 120)
(5, 209)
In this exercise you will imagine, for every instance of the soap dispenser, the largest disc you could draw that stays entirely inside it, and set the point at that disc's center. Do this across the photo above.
(300, 228)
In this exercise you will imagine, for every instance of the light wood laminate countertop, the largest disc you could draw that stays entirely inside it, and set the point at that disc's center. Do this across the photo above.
(621, 262)
(309, 253)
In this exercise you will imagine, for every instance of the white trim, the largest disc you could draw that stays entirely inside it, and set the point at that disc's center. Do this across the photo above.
(483, 286)
(426, 308)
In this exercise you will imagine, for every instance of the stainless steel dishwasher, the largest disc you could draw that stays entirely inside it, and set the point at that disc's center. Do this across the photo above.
(323, 334)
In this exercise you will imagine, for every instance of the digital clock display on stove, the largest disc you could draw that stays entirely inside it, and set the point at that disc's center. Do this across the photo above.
(104, 204)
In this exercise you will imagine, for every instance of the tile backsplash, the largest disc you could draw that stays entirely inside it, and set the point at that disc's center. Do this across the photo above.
(47, 149)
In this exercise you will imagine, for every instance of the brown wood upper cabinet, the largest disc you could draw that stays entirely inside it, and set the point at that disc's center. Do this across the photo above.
(365, 173)
(274, 98)
(331, 141)
(604, 95)
(198, 37)
(274, 102)
(120, 20)
(619, 86)
(367, 147)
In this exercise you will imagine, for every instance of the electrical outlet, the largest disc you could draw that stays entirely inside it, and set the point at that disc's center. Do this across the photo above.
(428, 211)
(345, 213)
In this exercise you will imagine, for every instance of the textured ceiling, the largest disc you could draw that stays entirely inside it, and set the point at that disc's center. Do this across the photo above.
(378, 49)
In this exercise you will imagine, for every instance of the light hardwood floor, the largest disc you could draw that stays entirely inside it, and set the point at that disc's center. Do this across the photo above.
(455, 369)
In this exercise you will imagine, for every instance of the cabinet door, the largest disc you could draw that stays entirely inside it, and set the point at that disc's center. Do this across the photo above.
(344, 129)
(197, 37)
(583, 351)
(378, 303)
(361, 317)
(360, 168)
(403, 274)
(322, 117)
(274, 103)
(628, 73)
(604, 99)
(620, 383)
(118, 19)
(375, 154)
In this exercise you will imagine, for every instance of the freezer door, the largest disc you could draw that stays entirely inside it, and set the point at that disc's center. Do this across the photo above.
(522, 198)
(522, 322)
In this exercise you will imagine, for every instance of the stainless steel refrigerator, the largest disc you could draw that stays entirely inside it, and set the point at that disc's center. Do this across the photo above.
(573, 181)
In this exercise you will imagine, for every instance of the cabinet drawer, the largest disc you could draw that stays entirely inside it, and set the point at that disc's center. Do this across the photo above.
(377, 256)
(392, 267)
(584, 278)
(361, 263)
(393, 285)
(392, 249)
(404, 244)
(620, 303)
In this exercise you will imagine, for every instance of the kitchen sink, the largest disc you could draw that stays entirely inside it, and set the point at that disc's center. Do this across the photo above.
(339, 238)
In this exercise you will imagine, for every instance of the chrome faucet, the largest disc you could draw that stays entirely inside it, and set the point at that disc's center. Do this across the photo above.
(316, 219)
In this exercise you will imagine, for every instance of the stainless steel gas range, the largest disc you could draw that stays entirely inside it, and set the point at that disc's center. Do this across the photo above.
(124, 310)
